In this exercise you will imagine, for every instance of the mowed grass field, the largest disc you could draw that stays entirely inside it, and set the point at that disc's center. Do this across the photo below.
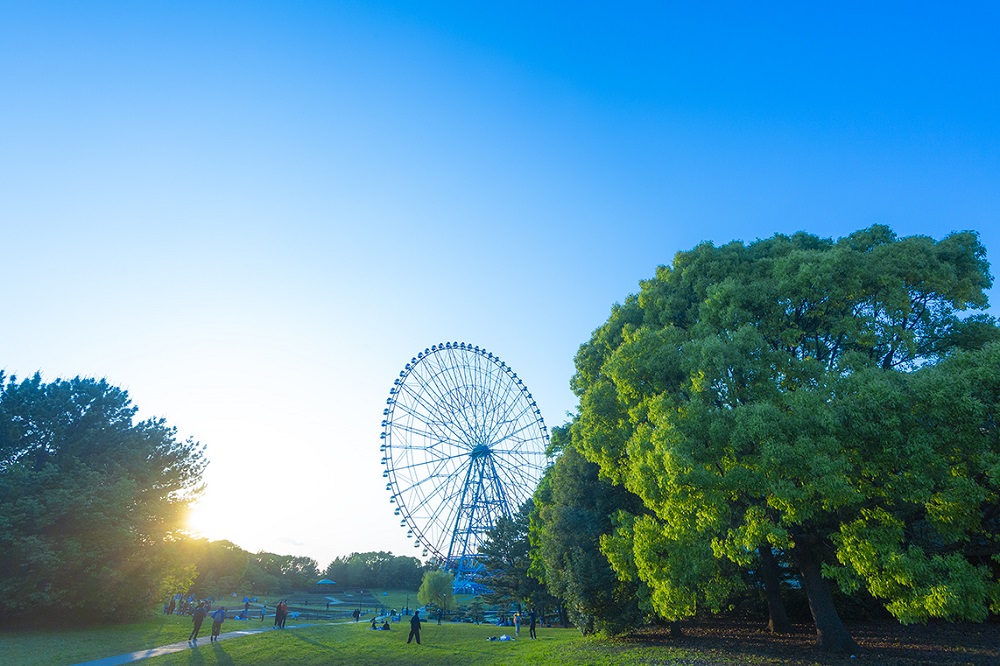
(318, 642)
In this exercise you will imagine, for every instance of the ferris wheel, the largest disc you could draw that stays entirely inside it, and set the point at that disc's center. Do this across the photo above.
(463, 443)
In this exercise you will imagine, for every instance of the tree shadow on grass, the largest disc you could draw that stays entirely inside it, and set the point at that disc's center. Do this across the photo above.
(885, 643)
(196, 656)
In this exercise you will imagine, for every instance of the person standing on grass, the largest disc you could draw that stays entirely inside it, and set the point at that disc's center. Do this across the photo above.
(414, 628)
(197, 618)
(218, 617)
(284, 613)
(517, 625)
(531, 623)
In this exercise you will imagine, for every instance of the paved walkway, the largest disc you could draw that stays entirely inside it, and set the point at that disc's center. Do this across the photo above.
(179, 647)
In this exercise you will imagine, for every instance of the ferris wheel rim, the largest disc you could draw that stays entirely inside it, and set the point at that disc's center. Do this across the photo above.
(526, 443)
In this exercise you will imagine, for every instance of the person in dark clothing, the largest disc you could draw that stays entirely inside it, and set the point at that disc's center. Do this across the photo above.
(414, 627)
(218, 617)
(532, 618)
(198, 618)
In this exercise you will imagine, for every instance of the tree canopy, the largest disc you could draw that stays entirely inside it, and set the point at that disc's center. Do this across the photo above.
(828, 399)
(376, 569)
(505, 558)
(573, 511)
(437, 588)
(92, 502)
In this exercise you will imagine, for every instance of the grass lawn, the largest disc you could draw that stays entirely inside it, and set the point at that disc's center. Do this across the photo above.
(76, 645)
(319, 643)
(712, 642)
(357, 645)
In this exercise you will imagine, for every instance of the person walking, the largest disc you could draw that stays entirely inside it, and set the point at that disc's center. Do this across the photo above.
(197, 618)
(218, 617)
(284, 612)
(532, 618)
(414, 628)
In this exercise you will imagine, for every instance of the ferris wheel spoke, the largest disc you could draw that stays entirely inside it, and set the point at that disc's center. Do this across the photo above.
(439, 464)
(512, 472)
(431, 415)
(515, 475)
(504, 418)
(443, 498)
(511, 436)
(434, 444)
(429, 434)
(517, 457)
(444, 407)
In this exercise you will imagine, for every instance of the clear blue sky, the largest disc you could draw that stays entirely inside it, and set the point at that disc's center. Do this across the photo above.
(251, 215)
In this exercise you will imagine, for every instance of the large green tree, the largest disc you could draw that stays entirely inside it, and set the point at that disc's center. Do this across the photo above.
(573, 509)
(736, 394)
(91, 503)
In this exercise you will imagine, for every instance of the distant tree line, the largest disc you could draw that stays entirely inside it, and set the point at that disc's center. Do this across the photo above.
(377, 570)
(224, 566)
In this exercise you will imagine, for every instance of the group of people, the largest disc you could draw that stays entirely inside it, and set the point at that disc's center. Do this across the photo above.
(385, 625)
(198, 617)
(532, 624)
(280, 614)
(204, 609)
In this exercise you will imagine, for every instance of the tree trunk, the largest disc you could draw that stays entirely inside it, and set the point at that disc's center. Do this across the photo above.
(675, 629)
(777, 618)
(831, 635)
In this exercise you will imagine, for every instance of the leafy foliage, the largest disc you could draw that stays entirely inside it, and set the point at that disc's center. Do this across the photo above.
(91, 502)
(376, 570)
(437, 588)
(788, 393)
(505, 557)
(573, 511)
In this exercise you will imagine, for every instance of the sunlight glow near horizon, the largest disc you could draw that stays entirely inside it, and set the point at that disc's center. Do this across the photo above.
(252, 216)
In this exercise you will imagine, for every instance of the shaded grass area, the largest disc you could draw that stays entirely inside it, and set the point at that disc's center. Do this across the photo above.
(48, 648)
(887, 643)
(72, 646)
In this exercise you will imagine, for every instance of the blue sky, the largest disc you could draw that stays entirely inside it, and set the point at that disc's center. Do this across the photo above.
(251, 215)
